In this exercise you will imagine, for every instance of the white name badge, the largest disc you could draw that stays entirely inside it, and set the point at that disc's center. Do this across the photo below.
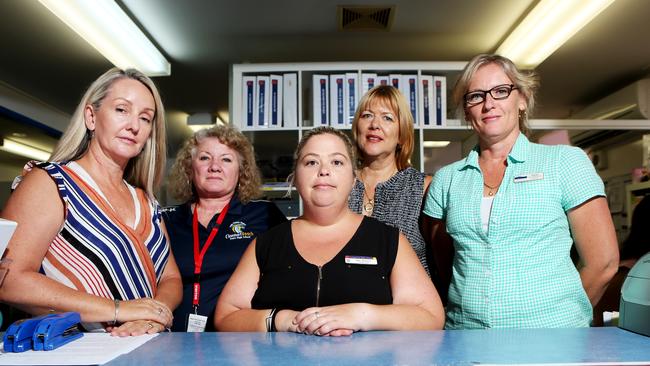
(358, 259)
(528, 177)
(196, 323)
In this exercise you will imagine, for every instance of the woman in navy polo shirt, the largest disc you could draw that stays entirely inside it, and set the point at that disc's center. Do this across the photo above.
(215, 173)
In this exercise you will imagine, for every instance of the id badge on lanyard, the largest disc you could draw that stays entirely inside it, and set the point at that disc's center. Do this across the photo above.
(196, 322)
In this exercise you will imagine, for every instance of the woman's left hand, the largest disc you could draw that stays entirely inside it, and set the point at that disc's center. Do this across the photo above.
(136, 328)
(337, 320)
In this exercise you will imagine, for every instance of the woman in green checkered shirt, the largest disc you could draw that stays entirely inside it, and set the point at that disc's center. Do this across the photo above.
(514, 210)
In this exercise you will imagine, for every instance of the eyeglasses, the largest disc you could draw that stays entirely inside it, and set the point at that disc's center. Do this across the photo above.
(499, 92)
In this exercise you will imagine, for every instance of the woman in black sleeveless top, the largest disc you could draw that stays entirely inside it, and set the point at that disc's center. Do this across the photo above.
(331, 271)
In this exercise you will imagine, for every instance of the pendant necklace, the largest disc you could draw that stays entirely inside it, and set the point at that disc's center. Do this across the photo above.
(368, 206)
(491, 190)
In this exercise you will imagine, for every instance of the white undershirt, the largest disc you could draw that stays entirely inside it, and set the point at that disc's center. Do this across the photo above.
(486, 208)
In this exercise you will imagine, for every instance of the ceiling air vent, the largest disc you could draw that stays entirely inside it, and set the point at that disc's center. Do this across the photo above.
(365, 18)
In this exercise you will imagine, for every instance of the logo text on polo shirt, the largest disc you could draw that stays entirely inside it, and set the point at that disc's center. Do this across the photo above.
(238, 231)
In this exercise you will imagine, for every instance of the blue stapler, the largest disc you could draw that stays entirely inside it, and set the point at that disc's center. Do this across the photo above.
(53, 332)
(19, 335)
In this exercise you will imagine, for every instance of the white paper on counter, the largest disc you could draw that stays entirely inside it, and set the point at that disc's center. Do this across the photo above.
(91, 349)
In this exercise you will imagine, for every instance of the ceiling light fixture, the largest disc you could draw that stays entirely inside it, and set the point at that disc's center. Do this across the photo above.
(21, 149)
(546, 28)
(434, 144)
(104, 25)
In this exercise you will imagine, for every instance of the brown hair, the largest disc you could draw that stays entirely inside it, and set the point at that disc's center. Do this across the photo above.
(394, 99)
(181, 179)
(349, 147)
(526, 82)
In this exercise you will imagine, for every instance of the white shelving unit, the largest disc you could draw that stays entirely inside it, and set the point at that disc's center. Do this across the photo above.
(454, 131)
(279, 142)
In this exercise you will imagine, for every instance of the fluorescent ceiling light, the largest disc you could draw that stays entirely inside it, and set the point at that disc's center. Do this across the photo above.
(21, 149)
(435, 144)
(104, 25)
(547, 27)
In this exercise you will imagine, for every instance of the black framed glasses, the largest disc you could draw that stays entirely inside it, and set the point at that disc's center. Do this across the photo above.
(499, 92)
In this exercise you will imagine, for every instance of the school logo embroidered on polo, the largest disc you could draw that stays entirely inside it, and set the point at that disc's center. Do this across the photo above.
(238, 231)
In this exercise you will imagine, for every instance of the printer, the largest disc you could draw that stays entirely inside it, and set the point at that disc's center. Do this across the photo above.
(634, 312)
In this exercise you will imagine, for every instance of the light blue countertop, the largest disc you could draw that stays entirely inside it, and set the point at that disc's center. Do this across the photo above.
(455, 347)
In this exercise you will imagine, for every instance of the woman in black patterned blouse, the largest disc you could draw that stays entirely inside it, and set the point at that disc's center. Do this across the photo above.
(387, 187)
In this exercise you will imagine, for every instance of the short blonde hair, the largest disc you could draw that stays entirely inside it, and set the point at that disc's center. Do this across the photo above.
(145, 170)
(526, 82)
(393, 98)
(181, 176)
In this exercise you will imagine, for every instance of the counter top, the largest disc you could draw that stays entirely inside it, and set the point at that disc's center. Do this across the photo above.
(608, 345)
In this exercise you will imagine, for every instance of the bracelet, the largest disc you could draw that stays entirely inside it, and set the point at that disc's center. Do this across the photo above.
(270, 327)
(117, 311)
(273, 328)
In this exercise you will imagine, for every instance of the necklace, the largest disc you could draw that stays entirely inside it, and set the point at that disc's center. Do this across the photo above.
(491, 190)
(368, 206)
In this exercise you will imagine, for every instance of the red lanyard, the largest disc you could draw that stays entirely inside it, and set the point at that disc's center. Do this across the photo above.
(198, 255)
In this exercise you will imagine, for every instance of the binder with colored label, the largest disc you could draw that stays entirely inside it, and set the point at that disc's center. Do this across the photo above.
(248, 106)
(320, 99)
(275, 119)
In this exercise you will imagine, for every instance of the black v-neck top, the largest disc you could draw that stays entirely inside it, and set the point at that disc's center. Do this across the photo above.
(359, 273)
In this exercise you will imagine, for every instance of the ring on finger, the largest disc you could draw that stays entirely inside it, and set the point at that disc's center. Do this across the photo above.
(160, 310)
(317, 314)
(150, 325)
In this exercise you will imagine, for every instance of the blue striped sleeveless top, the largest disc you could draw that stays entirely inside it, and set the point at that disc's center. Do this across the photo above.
(95, 251)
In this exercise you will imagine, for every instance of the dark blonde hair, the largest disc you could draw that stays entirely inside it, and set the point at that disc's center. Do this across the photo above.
(395, 100)
(349, 147)
(181, 176)
(145, 170)
(526, 83)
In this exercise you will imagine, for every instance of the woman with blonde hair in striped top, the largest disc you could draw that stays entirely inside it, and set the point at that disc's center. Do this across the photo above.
(90, 236)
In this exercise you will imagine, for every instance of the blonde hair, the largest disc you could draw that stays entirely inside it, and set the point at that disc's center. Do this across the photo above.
(181, 176)
(395, 100)
(526, 83)
(145, 170)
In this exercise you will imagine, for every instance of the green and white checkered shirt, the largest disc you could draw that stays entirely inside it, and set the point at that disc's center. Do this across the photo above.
(519, 274)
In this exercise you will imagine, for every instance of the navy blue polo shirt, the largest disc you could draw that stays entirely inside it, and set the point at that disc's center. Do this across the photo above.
(240, 226)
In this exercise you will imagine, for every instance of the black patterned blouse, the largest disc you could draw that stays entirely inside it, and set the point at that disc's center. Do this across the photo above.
(398, 202)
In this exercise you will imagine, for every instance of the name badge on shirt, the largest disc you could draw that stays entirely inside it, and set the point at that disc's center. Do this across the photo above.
(196, 323)
(528, 177)
(359, 259)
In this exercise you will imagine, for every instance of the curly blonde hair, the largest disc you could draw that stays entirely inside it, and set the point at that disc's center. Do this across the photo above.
(181, 176)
